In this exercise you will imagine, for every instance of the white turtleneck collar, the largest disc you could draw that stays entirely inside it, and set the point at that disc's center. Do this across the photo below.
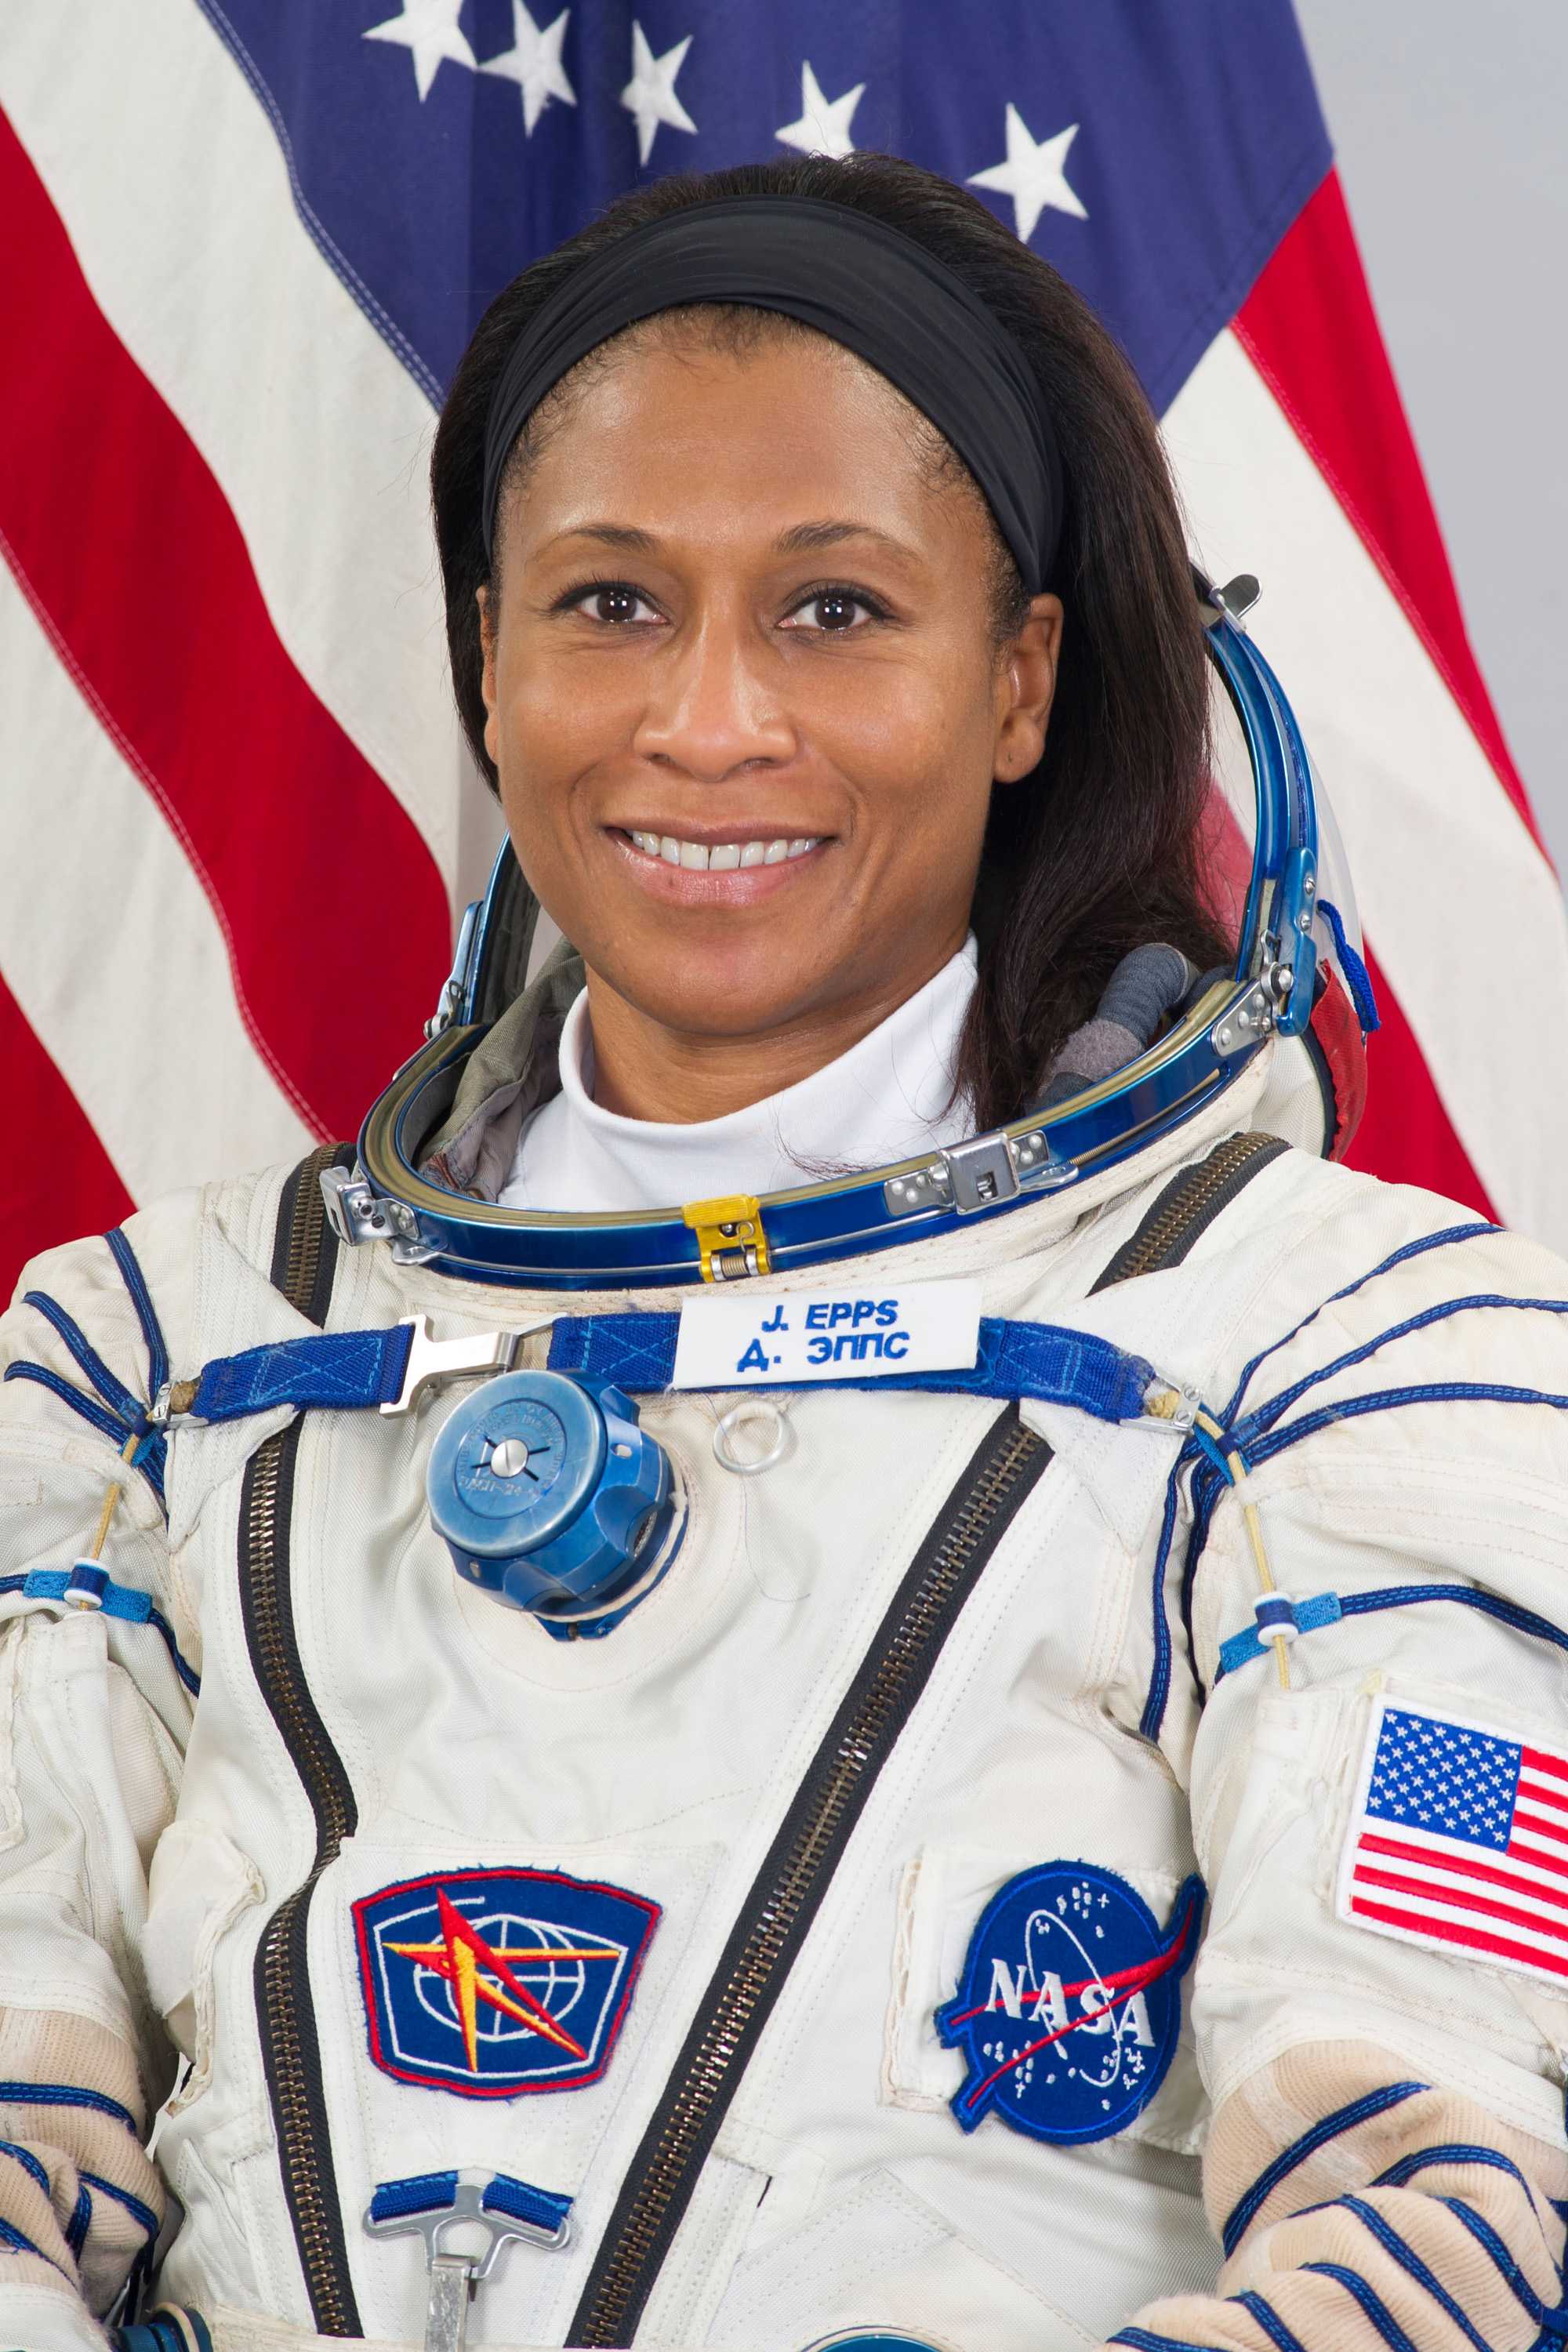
(886, 1098)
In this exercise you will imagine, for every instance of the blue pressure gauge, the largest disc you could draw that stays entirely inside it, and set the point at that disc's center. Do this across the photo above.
(551, 1497)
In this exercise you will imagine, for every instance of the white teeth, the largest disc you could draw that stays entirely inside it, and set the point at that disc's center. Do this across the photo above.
(724, 857)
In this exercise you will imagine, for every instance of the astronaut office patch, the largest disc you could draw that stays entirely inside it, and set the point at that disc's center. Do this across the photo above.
(1071, 2002)
(492, 1983)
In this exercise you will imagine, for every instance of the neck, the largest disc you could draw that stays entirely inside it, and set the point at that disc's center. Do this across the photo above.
(645, 1069)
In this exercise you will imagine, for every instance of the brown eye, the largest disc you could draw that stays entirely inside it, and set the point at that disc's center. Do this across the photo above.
(615, 605)
(834, 611)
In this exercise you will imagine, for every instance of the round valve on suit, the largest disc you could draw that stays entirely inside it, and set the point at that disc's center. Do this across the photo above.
(551, 1496)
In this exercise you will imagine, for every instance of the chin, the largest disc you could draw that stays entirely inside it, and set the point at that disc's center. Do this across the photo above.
(697, 997)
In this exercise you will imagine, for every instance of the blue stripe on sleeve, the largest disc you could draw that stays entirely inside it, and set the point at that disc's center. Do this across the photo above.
(141, 2213)
(1408, 2259)
(1247, 2207)
(65, 2094)
(81, 2221)
(1486, 2236)
(1269, 2319)
(135, 1282)
(1377, 2310)
(28, 2162)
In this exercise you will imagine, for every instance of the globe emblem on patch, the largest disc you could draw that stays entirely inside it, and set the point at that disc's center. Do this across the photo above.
(494, 1983)
(1069, 2005)
(558, 1983)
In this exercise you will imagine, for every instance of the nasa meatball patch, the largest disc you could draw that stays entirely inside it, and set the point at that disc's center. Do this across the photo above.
(1071, 2002)
(492, 1983)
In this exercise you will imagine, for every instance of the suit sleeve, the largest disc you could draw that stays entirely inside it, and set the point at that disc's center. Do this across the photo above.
(1381, 1999)
(95, 1705)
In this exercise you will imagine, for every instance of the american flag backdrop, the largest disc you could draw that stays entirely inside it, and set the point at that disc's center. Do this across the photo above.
(1460, 1836)
(244, 246)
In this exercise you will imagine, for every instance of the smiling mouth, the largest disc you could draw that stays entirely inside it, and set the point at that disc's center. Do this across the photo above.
(721, 857)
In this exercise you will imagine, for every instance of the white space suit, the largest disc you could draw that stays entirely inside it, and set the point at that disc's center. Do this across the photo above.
(389, 1785)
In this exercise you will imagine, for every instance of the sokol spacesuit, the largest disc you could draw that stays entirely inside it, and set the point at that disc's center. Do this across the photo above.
(1024, 1780)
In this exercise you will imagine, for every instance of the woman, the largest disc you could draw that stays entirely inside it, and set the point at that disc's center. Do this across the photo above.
(885, 1867)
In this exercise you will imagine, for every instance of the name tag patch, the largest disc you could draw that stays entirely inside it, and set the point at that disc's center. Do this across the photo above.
(731, 1342)
(1071, 2002)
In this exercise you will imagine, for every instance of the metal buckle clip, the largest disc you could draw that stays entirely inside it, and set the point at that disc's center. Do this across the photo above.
(431, 1361)
(356, 1214)
(730, 1240)
(979, 1174)
(1168, 1405)
(453, 2276)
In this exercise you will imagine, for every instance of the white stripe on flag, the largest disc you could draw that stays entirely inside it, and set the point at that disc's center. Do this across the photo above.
(148, 1035)
(317, 434)
(1476, 1915)
(1464, 913)
(1438, 1852)
(1432, 1877)
(1434, 1922)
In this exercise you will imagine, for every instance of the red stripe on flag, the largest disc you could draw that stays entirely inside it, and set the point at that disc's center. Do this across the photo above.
(1429, 1859)
(1537, 1856)
(1457, 1899)
(58, 1180)
(1310, 329)
(1539, 1827)
(1539, 1760)
(1405, 1136)
(1448, 1932)
(1540, 1796)
(333, 909)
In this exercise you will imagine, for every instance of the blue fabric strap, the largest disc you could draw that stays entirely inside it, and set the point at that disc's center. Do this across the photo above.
(1358, 980)
(436, 2192)
(424, 2192)
(346, 1369)
(349, 1370)
(1015, 1359)
(115, 1601)
(542, 2207)
(1255, 1641)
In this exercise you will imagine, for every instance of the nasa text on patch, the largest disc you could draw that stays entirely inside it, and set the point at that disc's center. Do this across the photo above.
(491, 1983)
(1070, 2001)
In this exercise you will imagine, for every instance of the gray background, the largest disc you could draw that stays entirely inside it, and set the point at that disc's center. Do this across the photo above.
(1451, 126)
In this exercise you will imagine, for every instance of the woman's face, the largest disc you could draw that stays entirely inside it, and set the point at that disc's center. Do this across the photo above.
(744, 691)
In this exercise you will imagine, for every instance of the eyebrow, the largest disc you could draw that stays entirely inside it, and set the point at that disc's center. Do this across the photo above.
(802, 538)
(611, 534)
(806, 537)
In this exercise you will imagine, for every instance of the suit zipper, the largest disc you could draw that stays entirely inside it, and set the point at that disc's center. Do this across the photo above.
(1189, 1205)
(302, 1270)
(790, 1887)
(794, 1880)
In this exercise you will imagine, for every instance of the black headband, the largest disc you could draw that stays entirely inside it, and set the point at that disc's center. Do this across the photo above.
(865, 285)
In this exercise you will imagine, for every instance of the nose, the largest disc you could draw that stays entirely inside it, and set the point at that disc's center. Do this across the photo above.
(712, 710)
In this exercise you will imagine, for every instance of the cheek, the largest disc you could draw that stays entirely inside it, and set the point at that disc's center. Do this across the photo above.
(549, 732)
(920, 736)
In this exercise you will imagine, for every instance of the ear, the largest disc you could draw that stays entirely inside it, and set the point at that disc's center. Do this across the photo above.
(1025, 683)
(488, 679)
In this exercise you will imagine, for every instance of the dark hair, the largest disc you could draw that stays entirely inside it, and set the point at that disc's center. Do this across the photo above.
(1097, 851)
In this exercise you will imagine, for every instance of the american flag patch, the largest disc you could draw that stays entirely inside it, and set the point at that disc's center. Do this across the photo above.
(1459, 1839)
